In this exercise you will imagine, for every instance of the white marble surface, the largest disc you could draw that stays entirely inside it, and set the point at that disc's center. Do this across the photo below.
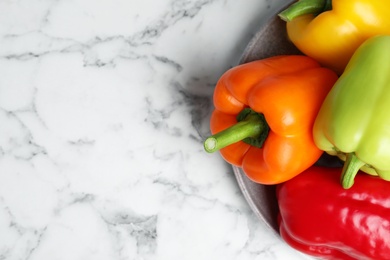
(103, 109)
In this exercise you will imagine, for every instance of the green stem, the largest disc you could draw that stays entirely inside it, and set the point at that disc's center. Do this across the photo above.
(351, 167)
(252, 129)
(303, 7)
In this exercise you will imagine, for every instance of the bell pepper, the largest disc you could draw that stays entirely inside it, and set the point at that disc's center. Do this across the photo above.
(353, 122)
(320, 218)
(331, 31)
(264, 114)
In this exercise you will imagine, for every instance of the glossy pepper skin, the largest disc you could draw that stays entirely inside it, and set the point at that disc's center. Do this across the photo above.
(320, 218)
(332, 36)
(354, 120)
(288, 91)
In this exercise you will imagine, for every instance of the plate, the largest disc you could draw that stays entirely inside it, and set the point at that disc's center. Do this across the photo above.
(270, 40)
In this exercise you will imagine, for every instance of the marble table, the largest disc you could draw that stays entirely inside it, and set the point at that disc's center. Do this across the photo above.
(104, 106)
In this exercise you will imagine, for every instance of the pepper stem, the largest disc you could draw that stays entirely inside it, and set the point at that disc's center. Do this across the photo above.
(351, 167)
(252, 129)
(303, 7)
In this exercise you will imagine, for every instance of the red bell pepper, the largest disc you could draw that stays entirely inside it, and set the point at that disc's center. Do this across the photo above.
(320, 218)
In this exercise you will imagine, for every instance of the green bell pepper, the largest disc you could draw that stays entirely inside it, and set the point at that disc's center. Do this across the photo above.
(354, 120)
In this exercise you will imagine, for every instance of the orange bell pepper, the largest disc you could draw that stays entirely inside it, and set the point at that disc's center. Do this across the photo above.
(264, 114)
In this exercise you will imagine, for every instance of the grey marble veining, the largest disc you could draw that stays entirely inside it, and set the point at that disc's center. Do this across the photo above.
(103, 109)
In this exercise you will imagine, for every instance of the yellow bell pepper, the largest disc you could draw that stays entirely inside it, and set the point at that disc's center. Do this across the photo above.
(331, 31)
